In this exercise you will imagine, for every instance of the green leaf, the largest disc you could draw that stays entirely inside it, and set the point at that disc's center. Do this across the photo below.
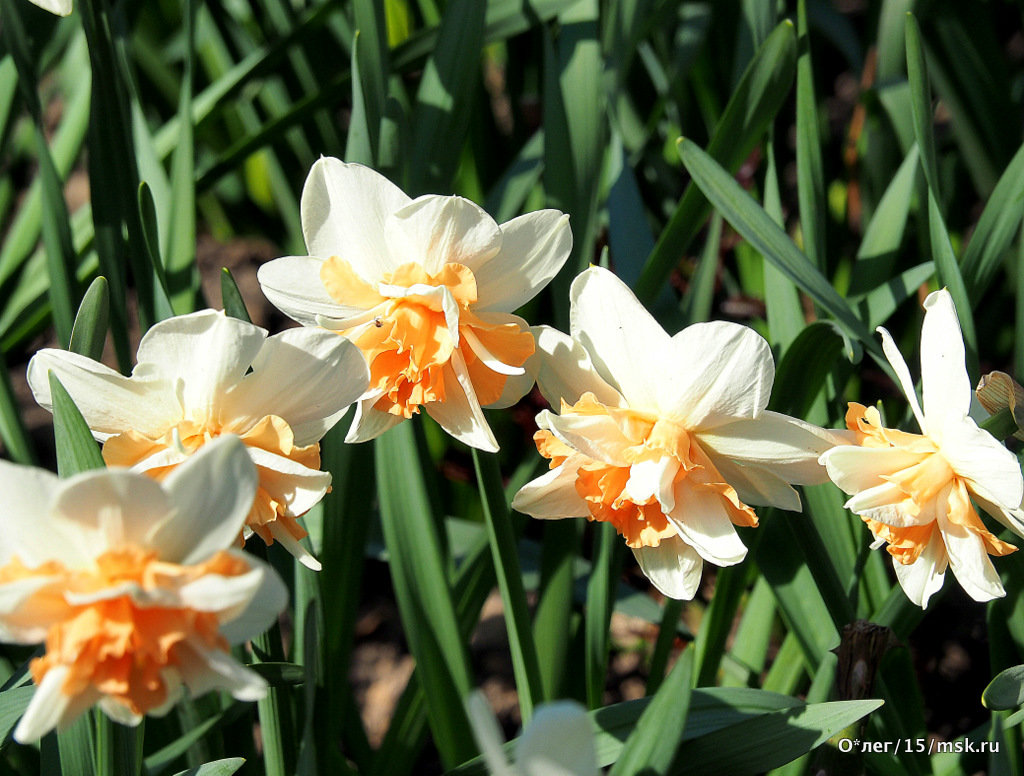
(417, 565)
(652, 745)
(182, 273)
(608, 551)
(445, 96)
(769, 741)
(13, 703)
(90, 330)
(996, 228)
(370, 71)
(921, 102)
(809, 172)
(800, 374)
(76, 747)
(502, 538)
(279, 674)
(77, 451)
(231, 297)
(224, 767)
(758, 97)
(1006, 691)
(767, 237)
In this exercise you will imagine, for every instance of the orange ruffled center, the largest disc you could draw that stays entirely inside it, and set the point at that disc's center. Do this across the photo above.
(602, 485)
(117, 646)
(929, 484)
(271, 433)
(408, 340)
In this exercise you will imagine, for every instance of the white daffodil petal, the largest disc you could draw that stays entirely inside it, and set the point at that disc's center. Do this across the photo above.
(892, 353)
(28, 608)
(673, 567)
(345, 209)
(119, 712)
(225, 347)
(212, 493)
(433, 231)
(59, 7)
(294, 547)
(51, 707)
(299, 487)
(976, 456)
(855, 469)
(565, 371)
(487, 734)
(652, 479)
(559, 741)
(205, 669)
(370, 423)
(883, 503)
(703, 523)
(945, 386)
(970, 563)
(553, 495)
(308, 377)
(792, 447)
(923, 578)
(534, 247)
(293, 285)
(266, 602)
(228, 596)
(714, 373)
(1011, 518)
(596, 436)
(109, 401)
(102, 509)
(28, 492)
(626, 345)
(460, 413)
(758, 485)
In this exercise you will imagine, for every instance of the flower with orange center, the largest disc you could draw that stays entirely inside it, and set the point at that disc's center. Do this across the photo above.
(132, 587)
(666, 438)
(202, 375)
(914, 491)
(425, 288)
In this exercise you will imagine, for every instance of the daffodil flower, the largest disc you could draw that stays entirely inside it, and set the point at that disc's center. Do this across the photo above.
(666, 438)
(132, 586)
(202, 375)
(914, 491)
(558, 741)
(425, 288)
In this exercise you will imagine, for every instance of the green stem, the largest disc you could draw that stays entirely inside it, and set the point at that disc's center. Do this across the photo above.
(504, 544)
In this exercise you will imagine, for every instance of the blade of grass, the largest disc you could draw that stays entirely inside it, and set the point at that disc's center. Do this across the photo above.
(77, 451)
(608, 552)
(810, 175)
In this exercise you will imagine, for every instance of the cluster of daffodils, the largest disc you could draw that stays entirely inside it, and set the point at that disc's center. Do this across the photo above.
(134, 578)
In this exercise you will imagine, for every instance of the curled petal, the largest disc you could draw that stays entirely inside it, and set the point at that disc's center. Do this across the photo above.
(673, 567)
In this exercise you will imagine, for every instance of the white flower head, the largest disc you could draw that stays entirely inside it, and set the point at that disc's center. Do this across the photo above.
(132, 586)
(58, 7)
(667, 438)
(205, 374)
(558, 741)
(914, 491)
(425, 287)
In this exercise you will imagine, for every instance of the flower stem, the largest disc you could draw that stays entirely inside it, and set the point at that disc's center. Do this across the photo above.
(503, 543)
